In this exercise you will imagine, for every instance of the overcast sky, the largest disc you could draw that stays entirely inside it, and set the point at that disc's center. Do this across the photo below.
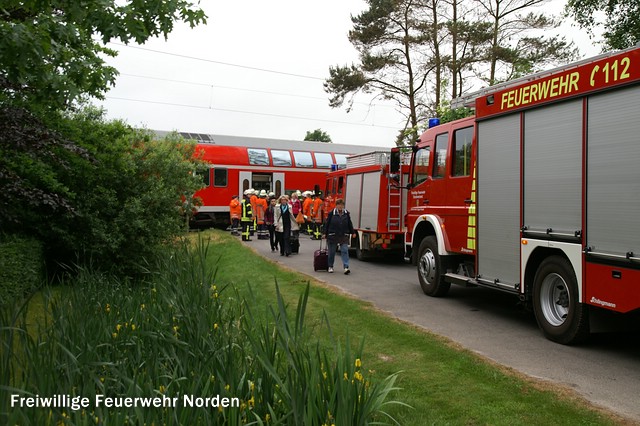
(256, 69)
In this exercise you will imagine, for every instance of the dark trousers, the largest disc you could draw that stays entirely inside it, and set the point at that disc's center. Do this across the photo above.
(285, 239)
(272, 237)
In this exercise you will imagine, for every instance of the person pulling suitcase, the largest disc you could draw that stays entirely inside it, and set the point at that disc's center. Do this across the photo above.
(337, 230)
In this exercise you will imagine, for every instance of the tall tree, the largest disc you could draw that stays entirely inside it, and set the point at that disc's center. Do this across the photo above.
(318, 135)
(621, 23)
(51, 51)
(470, 38)
(51, 56)
(389, 37)
(510, 21)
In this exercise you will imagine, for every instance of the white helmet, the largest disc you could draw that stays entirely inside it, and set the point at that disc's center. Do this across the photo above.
(246, 192)
(263, 193)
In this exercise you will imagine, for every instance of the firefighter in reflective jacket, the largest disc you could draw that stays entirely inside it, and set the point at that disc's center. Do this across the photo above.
(247, 216)
(235, 212)
(253, 196)
(306, 211)
(317, 216)
(260, 209)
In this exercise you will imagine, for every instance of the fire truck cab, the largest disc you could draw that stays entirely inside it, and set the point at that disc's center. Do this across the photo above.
(537, 195)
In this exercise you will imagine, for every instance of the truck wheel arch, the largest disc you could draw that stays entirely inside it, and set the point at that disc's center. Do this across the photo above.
(427, 225)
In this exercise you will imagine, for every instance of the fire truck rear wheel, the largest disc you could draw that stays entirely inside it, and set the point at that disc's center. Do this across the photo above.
(559, 313)
(430, 269)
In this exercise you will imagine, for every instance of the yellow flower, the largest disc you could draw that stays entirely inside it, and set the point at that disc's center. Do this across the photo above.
(215, 326)
(114, 335)
(358, 376)
(107, 308)
(267, 417)
(358, 363)
(212, 378)
(133, 327)
(346, 376)
(252, 386)
(118, 327)
(102, 379)
(227, 387)
(162, 389)
(252, 402)
(142, 307)
(324, 375)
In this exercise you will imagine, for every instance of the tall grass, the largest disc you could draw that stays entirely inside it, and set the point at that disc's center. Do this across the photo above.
(180, 334)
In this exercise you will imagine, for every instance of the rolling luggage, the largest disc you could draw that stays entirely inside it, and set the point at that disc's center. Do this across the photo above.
(295, 246)
(320, 259)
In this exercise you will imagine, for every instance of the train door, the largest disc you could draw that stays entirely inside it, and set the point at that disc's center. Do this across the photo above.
(244, 182)
(261, 181)
(278, 184)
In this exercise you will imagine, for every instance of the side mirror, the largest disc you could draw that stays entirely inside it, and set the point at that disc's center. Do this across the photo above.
(394, 161)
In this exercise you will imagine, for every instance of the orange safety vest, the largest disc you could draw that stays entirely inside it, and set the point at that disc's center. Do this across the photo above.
(235, 209)
(316, 210)
(306, 207)
(261, 207)
(253, 199)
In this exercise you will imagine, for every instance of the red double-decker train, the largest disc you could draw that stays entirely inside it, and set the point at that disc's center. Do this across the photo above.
(274, 165)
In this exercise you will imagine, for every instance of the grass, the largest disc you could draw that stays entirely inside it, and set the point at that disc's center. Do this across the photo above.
(442, 383)
(285, 348)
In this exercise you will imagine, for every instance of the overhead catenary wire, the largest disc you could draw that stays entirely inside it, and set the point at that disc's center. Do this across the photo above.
(266, 92)
(229, 64)
(249, 112)
(212, 86)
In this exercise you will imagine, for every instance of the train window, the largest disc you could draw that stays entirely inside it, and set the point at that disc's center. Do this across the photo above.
(281, 158)
(219, 177)
(258, 157)
(440, 158)
(462, 151)
(341, 160)
(323, 160)
(206, 176)
(303, 159)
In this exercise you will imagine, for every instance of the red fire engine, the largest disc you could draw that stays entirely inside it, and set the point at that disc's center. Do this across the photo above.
(374, 200)
(537, 195)
(278, 166)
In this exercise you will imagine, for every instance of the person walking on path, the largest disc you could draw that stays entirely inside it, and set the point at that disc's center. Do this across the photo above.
(285, 223)
(269, 219)
(337, 230)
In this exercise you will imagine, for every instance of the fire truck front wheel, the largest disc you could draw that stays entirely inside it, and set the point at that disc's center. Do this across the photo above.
(430, 268)
(559, 313)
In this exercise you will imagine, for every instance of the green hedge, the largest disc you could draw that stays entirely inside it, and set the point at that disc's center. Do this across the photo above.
(21, 266)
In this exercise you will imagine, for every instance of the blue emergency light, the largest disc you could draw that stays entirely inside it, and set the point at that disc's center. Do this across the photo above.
(433, 122)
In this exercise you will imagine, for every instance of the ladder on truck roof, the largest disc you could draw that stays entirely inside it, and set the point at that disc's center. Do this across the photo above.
(469, 100)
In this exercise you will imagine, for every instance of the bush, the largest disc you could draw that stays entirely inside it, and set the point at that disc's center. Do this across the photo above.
(182, 335)
(21, 267)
